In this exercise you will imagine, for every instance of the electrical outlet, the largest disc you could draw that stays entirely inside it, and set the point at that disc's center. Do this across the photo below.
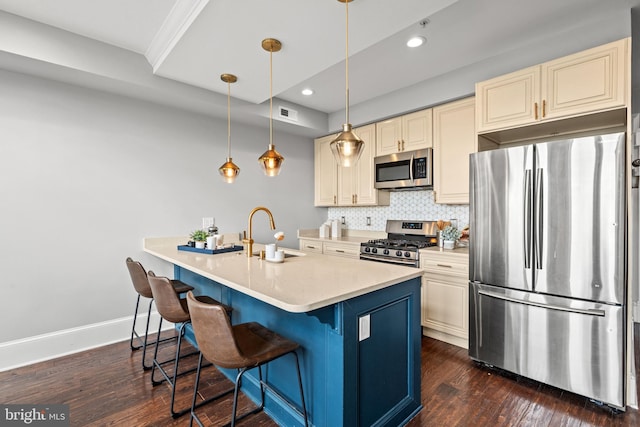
(207, 222)
(364, 327)
(368, 220)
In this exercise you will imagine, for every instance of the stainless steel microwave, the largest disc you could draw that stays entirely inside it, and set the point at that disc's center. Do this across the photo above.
(407, 170)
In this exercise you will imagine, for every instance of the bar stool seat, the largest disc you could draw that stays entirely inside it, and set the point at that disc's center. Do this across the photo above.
(141, 285)
(176, 310)
(242, 347)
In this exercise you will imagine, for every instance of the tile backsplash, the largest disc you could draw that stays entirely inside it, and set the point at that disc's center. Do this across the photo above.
(408, 205)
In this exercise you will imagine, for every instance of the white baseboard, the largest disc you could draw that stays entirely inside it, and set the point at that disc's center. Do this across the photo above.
(449, 339)
(26, 351)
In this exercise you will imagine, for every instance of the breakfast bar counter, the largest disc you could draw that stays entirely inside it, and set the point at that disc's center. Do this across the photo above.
(357, 322)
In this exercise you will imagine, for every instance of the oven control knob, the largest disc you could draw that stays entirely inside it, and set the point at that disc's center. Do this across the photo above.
(374, 250)
(386, 252)
(367, 249)
(398, 253)
(407, 254)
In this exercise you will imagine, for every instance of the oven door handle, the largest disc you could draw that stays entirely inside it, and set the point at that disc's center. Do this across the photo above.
(412, 263)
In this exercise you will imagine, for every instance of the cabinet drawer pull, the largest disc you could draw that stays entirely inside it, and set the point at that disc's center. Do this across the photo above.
(443, 265)
(340, 251)
(311, 247)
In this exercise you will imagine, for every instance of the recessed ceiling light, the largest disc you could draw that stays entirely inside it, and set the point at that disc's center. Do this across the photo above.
(307, 92)
(416, 41)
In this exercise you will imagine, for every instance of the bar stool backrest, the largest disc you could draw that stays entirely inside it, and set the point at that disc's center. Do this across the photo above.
(169, 305)
(139, 278)
(214, 334)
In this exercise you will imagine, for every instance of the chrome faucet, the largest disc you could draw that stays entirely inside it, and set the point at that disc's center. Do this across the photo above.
(249, 241)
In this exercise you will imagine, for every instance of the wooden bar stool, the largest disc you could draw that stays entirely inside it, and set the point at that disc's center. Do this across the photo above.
(174, 309)
(141, 285)
(242, 347)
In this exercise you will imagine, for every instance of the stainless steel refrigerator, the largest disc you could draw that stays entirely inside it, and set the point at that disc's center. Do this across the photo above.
(547, 263)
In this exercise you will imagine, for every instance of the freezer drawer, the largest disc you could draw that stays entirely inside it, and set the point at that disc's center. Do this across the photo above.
(570, 344)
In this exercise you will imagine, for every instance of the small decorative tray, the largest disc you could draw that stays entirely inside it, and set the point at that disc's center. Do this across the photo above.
(233, 248)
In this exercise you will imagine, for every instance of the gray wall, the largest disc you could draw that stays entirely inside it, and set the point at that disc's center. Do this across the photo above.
(85, 176)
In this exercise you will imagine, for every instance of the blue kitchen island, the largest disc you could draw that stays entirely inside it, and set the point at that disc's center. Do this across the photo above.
(357, 323)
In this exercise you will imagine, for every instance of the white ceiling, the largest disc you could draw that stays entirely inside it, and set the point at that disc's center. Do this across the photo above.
(194, 41)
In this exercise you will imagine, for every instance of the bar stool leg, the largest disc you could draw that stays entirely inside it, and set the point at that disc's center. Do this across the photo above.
(304, 406)
(195, 394)
(235, 396)
(133, 328)
(146, 367)
(175, 414)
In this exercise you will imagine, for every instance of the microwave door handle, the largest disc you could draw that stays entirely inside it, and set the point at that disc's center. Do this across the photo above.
(411, 169)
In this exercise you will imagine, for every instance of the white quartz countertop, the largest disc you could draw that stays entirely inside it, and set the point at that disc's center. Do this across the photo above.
(300, 284)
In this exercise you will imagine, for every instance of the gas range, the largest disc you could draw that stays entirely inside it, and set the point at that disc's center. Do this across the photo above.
(403, 243)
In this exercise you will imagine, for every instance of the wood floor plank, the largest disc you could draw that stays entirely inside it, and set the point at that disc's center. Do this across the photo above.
(107, 387)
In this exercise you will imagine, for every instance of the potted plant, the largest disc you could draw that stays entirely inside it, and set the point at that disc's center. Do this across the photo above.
(450, 236)
(199, 236)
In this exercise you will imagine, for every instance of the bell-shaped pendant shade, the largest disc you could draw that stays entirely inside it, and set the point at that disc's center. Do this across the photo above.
(229, 171)
(347, 147)
(271, 161)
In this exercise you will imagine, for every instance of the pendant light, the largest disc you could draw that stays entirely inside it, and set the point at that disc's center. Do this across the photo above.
(347, 147)
(271, 160)
(229, 170)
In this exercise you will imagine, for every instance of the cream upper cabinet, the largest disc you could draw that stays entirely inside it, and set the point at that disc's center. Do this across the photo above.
(352, 186)
(508, 101)
(325, 173)
(585, 82)
(454, 138)
(404, 133)
(356, 183)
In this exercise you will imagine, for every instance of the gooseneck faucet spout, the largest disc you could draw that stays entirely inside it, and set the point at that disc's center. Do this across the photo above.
(248, 240)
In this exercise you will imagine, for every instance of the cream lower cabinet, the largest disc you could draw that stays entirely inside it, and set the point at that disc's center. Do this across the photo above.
(352, 186)
(445, 296)
(343, 249)
(454, 138)
(585, 82)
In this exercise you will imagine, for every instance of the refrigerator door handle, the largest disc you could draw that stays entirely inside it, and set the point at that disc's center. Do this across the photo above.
(526, 229)
(589, 312)
(538, 229)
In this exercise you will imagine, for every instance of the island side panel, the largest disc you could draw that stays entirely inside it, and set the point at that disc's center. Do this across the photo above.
(382, 356)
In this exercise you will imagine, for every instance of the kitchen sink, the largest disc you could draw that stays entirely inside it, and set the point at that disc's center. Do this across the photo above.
(286, 254)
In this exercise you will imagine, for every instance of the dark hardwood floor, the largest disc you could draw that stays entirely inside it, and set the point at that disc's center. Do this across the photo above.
(107, 387)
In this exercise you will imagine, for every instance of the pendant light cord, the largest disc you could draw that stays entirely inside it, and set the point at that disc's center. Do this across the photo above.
(229, 120)
(346, 3)
(271, 98)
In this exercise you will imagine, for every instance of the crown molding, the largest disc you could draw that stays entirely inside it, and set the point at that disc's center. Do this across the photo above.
(176, 24)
